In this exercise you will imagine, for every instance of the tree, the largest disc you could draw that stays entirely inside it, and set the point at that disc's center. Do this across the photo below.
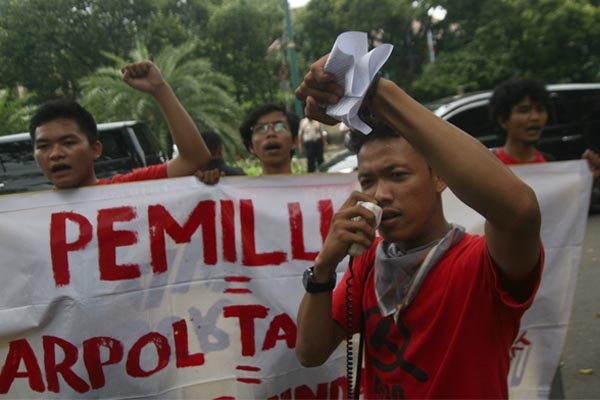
(556, 40)
(205, 94)
(240, 33)
(175, 22)
(322, 21)
(14, 113)
(46, 46)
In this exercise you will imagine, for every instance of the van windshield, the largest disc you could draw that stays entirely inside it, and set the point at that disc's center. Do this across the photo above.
(18, 170)
(15, 156)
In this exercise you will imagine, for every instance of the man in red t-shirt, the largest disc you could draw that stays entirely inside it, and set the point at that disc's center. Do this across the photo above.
(439, 307)
(519, 110)
(65, 136)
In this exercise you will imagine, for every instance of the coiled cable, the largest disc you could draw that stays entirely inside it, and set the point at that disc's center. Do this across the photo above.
(349, 349)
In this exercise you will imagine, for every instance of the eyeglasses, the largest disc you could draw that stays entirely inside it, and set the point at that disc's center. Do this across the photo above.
(277, 126)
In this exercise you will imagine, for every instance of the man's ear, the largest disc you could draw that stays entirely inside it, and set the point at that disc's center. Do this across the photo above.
(97, 148)
(440, 184)
(501, 121)
(220, 152)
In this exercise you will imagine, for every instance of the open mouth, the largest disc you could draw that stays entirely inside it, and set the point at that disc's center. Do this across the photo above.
(59, 168)
(534, 129)
(272, 147)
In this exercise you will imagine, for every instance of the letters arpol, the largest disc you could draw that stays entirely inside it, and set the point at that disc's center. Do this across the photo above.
(20, 352)
(102, 351)
(161, 223)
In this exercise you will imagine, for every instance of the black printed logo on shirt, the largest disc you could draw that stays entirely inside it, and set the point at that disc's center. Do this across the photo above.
(382, 344)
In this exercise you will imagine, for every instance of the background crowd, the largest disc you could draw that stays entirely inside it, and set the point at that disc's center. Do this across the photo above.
(196, 46)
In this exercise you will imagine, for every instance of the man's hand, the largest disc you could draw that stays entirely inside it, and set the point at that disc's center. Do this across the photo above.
(143, 76)
(593, 160)
(319, 90)
(210, 177)
(344, 231)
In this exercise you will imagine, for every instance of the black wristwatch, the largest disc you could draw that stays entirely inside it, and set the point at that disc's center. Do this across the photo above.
(316, 287)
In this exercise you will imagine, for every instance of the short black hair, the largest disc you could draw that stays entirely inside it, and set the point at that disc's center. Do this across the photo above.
(512, 91)
(68, 109)
(213, 140)
(380, 130)
(255, 114)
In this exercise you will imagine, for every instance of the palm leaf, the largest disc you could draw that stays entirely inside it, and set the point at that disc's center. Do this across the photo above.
(206, 94)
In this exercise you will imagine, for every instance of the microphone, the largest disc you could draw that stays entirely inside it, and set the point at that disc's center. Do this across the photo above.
(356, 249)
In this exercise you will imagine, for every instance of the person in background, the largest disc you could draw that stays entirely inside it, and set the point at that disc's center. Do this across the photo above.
(438, 308)
(65, 136)
(312, 141)
(519, 111)
(270, 132)
(217, 150)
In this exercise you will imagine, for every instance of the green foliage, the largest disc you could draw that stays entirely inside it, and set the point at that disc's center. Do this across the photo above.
(14, 113)
(555, 40)
(459, 72)
(324, 20)
(204, 93)
(240, 33)
(46, 46)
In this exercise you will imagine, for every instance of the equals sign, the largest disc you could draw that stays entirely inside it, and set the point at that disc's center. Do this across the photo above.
(241, 280)
(248, 368)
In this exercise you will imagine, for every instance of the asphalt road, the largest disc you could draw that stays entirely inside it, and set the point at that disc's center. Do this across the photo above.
(582, 346)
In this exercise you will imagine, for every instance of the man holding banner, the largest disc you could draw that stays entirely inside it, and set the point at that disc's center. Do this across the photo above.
(65, 137)
(438, 308)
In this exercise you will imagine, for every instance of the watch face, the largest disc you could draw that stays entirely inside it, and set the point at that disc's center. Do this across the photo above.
(306, 277)
(316, 287)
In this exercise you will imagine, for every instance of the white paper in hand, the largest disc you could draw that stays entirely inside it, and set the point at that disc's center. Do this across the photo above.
(354, 68)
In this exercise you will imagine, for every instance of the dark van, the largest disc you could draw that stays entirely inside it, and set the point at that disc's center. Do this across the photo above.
(126, 145)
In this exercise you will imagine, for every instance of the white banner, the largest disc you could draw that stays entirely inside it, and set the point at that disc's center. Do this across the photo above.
(174, 289)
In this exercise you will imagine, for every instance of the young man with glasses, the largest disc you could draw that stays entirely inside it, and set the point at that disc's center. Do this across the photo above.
(270, 132)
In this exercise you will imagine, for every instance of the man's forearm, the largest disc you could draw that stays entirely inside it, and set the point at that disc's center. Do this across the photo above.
(184, 131)
(470, 170)
(318, 333)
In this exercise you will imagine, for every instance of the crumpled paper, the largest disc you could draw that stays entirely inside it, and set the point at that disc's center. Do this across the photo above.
(354, 68)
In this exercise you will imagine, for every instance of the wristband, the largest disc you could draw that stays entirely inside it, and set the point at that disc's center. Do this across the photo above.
(372, 90)
(365, 113)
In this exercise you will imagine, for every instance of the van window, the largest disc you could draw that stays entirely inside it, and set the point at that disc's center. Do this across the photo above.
(149, 144)
(114, 145)
(580, 111)
(18, 170)
(16, 153)
(476, 122)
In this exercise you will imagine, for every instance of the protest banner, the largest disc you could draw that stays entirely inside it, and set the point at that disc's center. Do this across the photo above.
(175, 289)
